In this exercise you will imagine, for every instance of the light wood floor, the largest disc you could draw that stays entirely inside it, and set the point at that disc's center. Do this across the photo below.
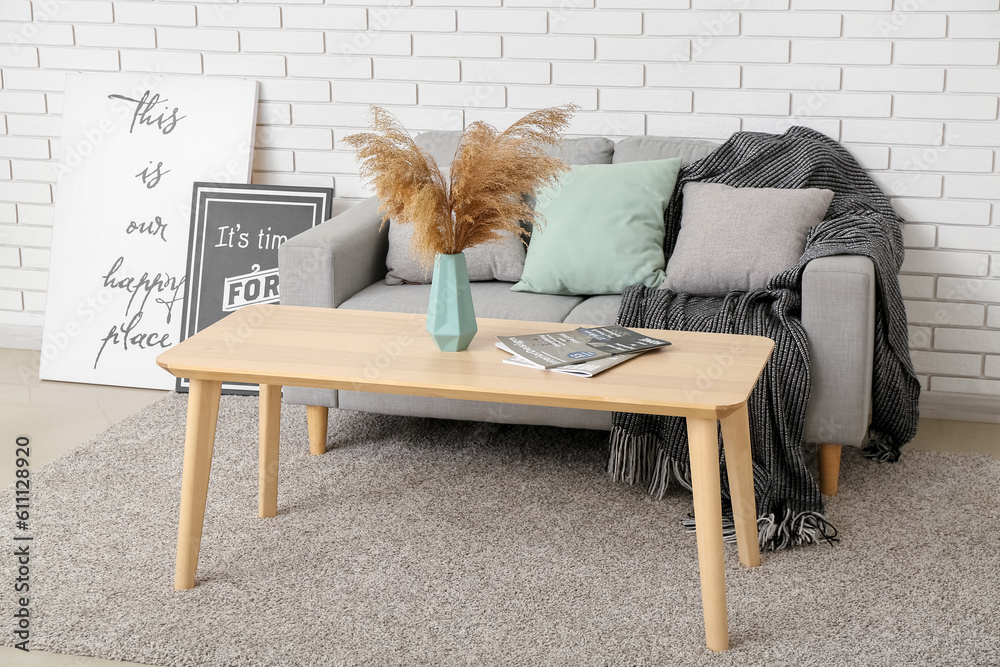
(59, 416)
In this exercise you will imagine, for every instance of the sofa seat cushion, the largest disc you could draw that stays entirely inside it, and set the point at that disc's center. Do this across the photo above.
(599, 310)
(491, 299)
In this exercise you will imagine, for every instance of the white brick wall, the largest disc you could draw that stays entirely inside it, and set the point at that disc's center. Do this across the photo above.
(911, 87)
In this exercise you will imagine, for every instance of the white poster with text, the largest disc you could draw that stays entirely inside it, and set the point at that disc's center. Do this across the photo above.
(132, 148)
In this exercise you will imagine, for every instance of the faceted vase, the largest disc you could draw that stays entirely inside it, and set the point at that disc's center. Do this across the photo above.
(451, 320)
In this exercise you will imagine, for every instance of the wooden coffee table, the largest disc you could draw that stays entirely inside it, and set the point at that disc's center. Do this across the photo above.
(703, 377)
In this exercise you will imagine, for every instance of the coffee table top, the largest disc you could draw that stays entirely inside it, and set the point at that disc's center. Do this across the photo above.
(700, 374)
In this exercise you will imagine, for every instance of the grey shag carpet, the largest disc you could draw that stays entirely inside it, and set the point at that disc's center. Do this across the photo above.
(424, 542)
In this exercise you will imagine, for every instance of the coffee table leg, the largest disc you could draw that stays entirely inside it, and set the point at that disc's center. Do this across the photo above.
(270, 429)
(199, 439)
(739, 465)
(703, 443)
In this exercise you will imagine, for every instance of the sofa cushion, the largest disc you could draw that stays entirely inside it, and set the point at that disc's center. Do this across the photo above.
(501, 260)
(603, 229)
(600, 310)
(491, 299)
(739, 238)
(640, 148)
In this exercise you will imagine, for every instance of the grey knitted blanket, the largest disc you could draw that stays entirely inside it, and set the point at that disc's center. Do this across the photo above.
(649, 450)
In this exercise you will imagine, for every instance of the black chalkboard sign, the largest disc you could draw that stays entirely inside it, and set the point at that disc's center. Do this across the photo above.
(233, 254)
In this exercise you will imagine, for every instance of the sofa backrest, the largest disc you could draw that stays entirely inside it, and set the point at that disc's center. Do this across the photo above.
(441, 144)
(641, 147)
(584, 150)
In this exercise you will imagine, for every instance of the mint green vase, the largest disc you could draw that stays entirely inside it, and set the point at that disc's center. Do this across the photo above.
(451, 319)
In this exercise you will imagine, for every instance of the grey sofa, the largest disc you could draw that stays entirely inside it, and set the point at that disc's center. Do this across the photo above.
(341, 264)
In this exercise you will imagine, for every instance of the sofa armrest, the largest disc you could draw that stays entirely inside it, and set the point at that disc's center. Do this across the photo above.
(328, 264)
(838, 314)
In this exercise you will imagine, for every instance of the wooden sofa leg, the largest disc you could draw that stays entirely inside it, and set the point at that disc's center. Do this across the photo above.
(317, 416)
(829, 468)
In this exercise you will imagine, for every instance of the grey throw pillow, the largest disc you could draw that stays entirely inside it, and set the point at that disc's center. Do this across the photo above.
(501, 260)
(739, 238)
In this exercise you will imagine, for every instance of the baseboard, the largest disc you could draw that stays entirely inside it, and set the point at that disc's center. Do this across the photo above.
(960, 407)
(20, 337)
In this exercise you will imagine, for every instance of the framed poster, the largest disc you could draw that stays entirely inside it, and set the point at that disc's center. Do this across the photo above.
(233, 250)
(132, 147)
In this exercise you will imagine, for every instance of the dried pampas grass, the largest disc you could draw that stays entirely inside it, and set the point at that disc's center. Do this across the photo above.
(484, 193)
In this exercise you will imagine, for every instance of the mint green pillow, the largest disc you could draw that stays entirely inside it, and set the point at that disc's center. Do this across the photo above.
(603, 229)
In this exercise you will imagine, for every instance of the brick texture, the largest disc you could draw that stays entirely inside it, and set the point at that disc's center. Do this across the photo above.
(911, 89)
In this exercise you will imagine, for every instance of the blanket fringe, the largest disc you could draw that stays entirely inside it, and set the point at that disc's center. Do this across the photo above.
(629, 462)
(793, 530)
(630, 458)
(728, 527)
(881, 448)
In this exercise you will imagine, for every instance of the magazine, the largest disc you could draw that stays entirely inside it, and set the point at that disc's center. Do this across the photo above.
(582, 345)
(586, 369)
